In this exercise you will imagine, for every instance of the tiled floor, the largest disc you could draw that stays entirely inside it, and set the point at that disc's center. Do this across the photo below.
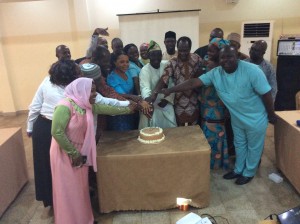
(238, 204)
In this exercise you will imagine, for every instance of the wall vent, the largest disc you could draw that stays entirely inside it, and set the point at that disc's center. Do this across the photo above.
(257, 30)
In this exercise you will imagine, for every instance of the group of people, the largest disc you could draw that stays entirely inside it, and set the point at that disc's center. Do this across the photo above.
(146, 87)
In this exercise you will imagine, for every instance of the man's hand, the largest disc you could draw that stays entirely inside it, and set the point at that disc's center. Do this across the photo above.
(132, 106)
(165, 92)
(150, 99)
(163, 103)
(101, 31)
(146, 108)
(272, 118)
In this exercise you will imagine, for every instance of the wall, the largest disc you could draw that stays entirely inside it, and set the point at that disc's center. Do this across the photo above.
(30, 31)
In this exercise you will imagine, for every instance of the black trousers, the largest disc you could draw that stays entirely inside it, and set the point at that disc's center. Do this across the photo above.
(41, 142)
(229, 133)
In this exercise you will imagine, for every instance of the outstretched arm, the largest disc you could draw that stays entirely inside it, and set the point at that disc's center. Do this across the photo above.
(94, 40)
(187, 85)
(159, 86)
(269, 105)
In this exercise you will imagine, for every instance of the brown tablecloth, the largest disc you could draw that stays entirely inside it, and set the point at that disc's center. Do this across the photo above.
(287, 145)
(136, 176)
(13, 168)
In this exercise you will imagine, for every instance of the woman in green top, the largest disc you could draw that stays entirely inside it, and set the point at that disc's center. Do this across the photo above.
(73, 149)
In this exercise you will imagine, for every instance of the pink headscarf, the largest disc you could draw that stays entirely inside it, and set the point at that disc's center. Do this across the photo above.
(79, 91)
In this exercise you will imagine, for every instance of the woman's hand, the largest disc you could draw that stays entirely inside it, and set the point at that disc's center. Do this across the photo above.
(132, 106)
(77, 161)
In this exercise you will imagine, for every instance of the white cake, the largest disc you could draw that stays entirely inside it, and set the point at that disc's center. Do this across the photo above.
(151, 135)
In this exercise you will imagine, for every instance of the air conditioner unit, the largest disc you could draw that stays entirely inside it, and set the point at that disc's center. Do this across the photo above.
(257, 30)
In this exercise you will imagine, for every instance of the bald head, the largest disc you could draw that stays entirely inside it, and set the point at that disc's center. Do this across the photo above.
(257, 51)
(216, 33)
(116, 44)
(62, 52)
(228, 59)
(261, 44)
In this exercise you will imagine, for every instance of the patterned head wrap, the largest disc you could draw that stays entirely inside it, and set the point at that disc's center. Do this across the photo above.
(153, 46)
(219, 42)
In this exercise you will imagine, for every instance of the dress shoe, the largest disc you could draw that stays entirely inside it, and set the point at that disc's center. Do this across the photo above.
(243, 180)
(231, 175)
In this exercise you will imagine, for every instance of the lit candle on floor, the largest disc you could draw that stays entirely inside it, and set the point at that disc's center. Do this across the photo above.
(183, 203)
(184, 207)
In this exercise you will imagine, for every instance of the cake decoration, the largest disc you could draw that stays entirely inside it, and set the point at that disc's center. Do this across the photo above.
(151, 135)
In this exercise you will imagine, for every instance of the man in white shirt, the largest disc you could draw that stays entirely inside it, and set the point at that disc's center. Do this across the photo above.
(163, 115)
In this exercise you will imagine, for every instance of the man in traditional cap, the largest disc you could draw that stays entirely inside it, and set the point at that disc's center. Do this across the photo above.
(257, 51)
(170, 42)
(215, 33)
(235, 41)
(163, 115)
(180, 68)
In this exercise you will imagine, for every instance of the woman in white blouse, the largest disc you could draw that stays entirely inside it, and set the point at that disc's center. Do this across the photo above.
(41, 109)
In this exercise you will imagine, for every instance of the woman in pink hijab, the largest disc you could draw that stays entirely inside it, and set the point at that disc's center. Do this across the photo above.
(73, 149)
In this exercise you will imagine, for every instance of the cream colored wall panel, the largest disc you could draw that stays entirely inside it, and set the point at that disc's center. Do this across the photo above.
(31, 18)
(6, 98)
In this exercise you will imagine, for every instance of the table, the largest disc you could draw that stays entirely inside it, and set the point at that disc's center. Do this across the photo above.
(136, 176)
(13, 168)
(287, 145)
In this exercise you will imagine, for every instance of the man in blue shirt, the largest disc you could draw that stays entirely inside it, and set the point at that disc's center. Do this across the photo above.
(245, 91)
